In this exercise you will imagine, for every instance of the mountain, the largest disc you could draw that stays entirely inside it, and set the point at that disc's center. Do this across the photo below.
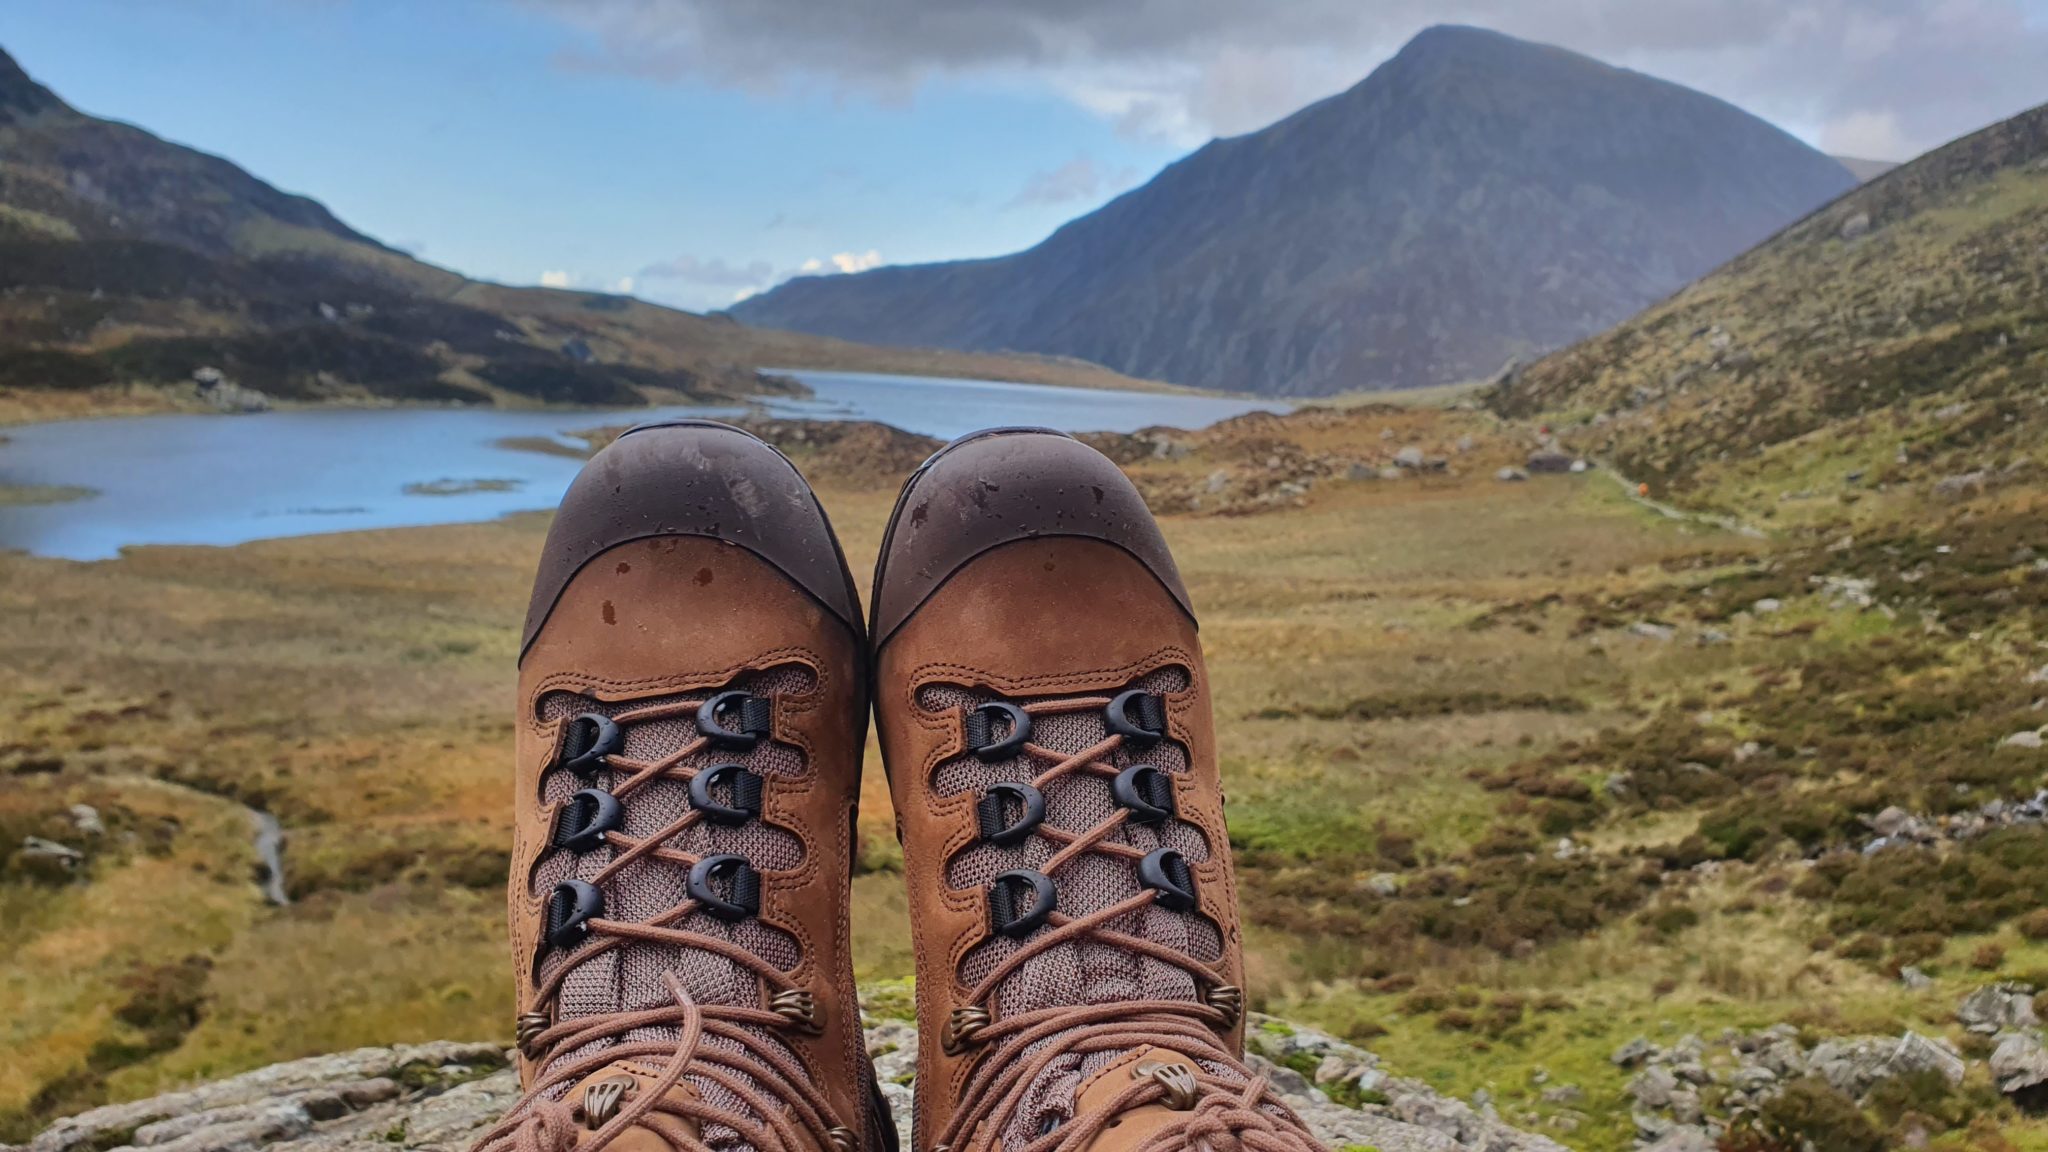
(1893, 345)
(128, 263)
(1476, 198)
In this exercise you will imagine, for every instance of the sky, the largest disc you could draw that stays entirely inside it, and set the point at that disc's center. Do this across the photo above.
(693, 152)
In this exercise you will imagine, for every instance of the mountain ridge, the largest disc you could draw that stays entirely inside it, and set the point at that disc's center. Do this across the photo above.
(1899, 336)
(1421, 227)
(131, 265)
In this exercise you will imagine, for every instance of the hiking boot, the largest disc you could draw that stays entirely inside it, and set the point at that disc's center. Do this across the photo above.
(691, 715)
(1044, 715)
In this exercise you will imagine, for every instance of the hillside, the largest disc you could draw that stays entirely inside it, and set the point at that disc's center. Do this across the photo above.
(1474, 199)
(1892, 347)
(127, 263)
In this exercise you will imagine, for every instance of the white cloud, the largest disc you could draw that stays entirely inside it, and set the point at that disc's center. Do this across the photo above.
(857, 261)
(623, 286)
(555, 279)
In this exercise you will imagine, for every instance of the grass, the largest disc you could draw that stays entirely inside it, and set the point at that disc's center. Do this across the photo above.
(1434, 678)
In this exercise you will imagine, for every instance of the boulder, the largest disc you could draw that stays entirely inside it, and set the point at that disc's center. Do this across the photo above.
(1549, 460)
(1510, 475)
(1634, 1052)
(2020, 1065)
(1997, 1008)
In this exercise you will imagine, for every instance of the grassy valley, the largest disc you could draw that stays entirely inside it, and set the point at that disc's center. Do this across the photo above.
(1497, 755)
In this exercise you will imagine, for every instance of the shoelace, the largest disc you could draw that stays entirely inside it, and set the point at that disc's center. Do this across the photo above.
(758, 1072)
(1226, 1114)
(791, 1105)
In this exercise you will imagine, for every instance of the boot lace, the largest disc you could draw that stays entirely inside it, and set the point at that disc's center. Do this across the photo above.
(1221, 1106)
(731, 1049)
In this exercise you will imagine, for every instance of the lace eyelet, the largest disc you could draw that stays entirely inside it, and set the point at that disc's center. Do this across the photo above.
(746, 791)
(755, 716)
(1146, 791)
(588, 740)
(1175, 1078)
(1229, 1000)
(1137, 716)
(585, 817)
(601, 1100)
(743, 886)
(571, 907)
(799, 1006)
(993, 814)
(527, 1032)
(980, 729)
(1004, 914)
(1167, 873)
(962, 1026)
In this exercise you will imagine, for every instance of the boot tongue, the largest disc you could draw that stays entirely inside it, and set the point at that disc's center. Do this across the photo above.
(1072, 1090)
(605, 1092)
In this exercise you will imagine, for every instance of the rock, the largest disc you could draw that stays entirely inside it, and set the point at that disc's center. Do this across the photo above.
(1410, 457)
(64, 855)
(86, 819)
(2019, 1063)
(232, 1112)
(1997, 1008)
(1766, 606)
(1890, 822)
(208, 377)
(1653, 1087)
(1566, 1094)
(1361, 472)
(1383, 884)
(1579, 466)
(1856, 226)
(1392, 473)
(1510, 475)
(2038, 675)
(354, 1102)
(1915, 979)
(1649, 630)
(1219, 480)
(1549, 460)
(2030, 739)
(1916, 1053)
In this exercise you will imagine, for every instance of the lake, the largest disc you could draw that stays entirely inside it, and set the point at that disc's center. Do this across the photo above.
(206, 479)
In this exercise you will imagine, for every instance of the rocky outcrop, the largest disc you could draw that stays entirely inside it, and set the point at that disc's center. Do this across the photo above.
(439, 1096)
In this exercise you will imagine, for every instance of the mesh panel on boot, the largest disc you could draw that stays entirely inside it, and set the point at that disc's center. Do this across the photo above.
(629, 976)
(1088, 972)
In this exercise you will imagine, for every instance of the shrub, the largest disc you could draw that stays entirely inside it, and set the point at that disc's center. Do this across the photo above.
(1988, 957)
(1811, 1114)
(2033, 925)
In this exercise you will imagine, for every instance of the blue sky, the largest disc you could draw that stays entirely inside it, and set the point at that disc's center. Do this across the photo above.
(461, 135)
(700, 149)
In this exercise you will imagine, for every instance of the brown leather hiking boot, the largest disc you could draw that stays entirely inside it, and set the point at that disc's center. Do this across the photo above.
(1044, 715)
(691, 716)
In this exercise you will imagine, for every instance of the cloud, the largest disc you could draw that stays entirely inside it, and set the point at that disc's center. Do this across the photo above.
(713, 273)
(623, 286)
(842, 262)
(555, 279)
(1186, 69)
